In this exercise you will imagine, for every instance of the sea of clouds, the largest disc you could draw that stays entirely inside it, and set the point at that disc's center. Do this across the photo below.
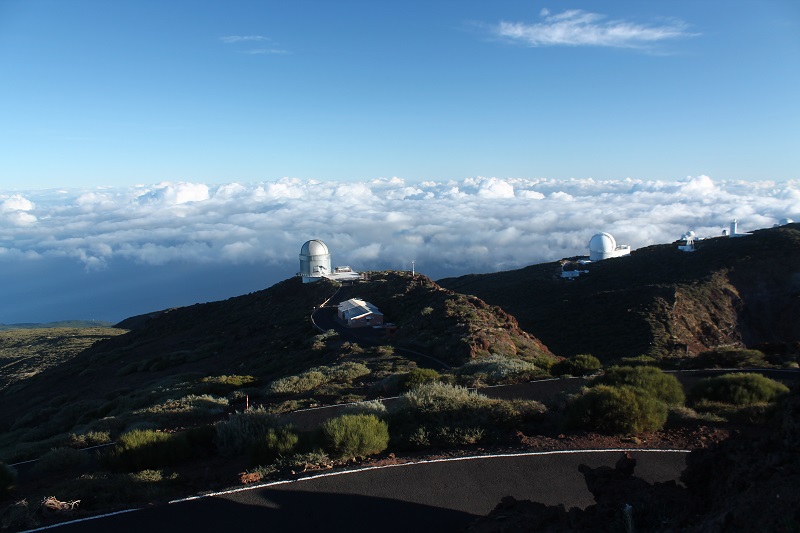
(108, 253)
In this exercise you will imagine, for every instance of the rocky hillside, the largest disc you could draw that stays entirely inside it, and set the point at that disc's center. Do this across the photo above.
(266, 335)
(450, 326)
(660, 301)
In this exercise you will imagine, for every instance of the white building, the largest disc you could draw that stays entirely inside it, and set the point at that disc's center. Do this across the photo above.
(357, 313)
(734, 231)
(604, 246)
(688, 239)
(315, 261)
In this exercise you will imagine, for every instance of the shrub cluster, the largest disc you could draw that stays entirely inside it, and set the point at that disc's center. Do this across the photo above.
(577, 365)
(277, 443)
(497, 369)
(61, 460)
(616, 410)
(316, 377)
(356, 435)
(439, 414)
(243, 431)
(626, 399)
(141, 449)
(418, 376)
(738, 389)
(225, 384)
(729, 358)
(651, 380)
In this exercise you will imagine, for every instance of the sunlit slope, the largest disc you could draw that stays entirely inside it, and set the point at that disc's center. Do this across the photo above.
(659, 301)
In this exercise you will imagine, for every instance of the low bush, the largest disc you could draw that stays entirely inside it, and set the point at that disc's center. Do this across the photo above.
(418, 376)
(224, 384)
(496, 369)
(89, 439)
(141, 449)
(316, 377)
(243, 431)
(664, 387)
(278, 442)
(738, 389)
(729, 358)
(438, 414)
(371, 407)
(61, 460)
(641, 360)
(356, 435)
(616, 410)
(577, 365)
(8, 476)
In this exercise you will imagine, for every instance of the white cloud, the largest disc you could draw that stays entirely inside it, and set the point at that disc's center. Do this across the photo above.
(576, 27)
(233, 39)
(449, 228)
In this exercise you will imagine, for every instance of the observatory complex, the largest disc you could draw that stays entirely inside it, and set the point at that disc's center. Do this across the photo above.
(604, 246)
(315, 264)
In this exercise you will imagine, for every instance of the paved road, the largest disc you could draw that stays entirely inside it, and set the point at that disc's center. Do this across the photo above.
(441, 496)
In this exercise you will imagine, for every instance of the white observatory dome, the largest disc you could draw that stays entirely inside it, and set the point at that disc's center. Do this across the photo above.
(315, 260)
(602, 243)
(314, 247)
(603, 246)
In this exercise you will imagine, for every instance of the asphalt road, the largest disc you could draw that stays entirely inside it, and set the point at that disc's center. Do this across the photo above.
(439, 496)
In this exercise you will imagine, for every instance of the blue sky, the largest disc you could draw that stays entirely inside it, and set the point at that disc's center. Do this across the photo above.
(98, 93)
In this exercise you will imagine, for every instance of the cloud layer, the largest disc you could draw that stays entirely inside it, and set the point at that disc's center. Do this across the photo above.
(580, 28)
(447, 228)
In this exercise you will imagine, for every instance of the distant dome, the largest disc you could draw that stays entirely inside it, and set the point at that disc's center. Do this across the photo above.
(314, 247)
(604, 246)
(602, 243)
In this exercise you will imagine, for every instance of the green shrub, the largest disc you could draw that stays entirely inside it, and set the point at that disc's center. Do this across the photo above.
(730, 358)
(276, 443)
(243, 431)
(577, 365)
(316, 377)
(495, 369)
(312, 460)
(664, 387)
(436, 397)
(89, 439)
(439, 414)
(616, 410)
(641, 360)
(141, 449)
(418, 376)
(356, 435)
(8, 476)
(61, 460)
(225, 384)
(371, 407)
(738, 389)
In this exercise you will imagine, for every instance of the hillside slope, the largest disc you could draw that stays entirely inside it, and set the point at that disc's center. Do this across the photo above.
(659, 301)
(163, 364)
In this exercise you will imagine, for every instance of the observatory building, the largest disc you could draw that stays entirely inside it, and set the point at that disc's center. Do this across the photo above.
(604, 246)
(315, 261)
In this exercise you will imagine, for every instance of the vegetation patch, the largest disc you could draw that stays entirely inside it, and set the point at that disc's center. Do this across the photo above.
(440, 414)
(729, 358)
(738, 389)
(144, 448)
(356, 435)
(8, 476)
(651, 380)
(498, 369)
(316, 377)
(577, 365)
(616, 410)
